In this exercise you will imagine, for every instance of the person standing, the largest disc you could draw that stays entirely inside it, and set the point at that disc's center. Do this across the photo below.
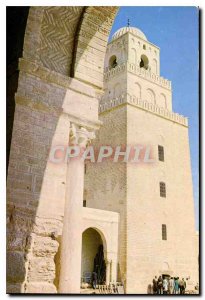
(197, 287)
(176, 285)
(160, 285)
(94, 280)
(171, 286)
(165, 286)
(154, 281)
(180, 286)
(183, 286)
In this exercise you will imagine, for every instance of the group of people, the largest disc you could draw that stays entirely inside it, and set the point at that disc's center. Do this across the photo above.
(168, 285)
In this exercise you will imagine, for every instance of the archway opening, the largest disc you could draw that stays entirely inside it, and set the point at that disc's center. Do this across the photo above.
(144, 63)
(112, 62)
(93, 261)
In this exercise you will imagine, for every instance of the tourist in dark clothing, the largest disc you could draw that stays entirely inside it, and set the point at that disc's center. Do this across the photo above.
(160, 285)
(180, 286)
(94, 280)
(154, 285)
(183, 286)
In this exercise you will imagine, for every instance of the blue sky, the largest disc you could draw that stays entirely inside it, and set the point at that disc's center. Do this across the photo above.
(175, 31)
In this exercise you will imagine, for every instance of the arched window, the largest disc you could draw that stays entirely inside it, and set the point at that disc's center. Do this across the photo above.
(154, 66)
(117, 90)
(144, 63)
(123, 54)
(162, 102)
(151, 96)
(137, 90)
(133, 56)
(112, 62)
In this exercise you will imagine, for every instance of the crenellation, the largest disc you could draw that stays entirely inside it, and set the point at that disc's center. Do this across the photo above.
(131, 99)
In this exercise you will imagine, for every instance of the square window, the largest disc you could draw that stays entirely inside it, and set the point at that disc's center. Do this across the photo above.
(162, 186)
(161, 153)
(164, 232)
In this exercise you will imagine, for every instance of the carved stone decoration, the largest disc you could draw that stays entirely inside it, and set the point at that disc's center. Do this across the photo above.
(80, 136)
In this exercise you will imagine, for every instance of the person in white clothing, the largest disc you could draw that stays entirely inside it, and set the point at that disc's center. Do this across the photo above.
(171, 286)
(165, 286)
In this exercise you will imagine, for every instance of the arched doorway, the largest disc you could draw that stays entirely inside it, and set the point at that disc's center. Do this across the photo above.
(93, 260)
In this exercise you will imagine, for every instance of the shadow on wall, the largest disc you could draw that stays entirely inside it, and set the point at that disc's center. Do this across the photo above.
(35, 187)
(16, 18)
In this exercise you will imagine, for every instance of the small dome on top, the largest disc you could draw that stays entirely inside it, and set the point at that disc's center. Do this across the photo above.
(133, 30)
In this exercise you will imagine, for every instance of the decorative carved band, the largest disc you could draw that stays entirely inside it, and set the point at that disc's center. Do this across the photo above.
(153, 108)
(129, 67)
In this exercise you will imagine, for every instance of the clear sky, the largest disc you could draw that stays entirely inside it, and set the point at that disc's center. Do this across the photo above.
(175, 31)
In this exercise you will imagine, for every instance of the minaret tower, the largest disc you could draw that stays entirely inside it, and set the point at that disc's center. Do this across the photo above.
(155, 201)
(129, 49)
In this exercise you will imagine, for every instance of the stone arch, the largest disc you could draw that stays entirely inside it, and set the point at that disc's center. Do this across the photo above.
(95, 23)
(110, 243)
(138, 90)
(144, 62)
(162, 102)
(112, 62)
(50, 36)
(151, 96)
(133, 55)
(101, 233)
(60, 38)
(165, 266)
(93, 244)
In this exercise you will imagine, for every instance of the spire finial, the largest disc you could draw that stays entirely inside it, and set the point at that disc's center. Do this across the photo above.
(128, 22)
